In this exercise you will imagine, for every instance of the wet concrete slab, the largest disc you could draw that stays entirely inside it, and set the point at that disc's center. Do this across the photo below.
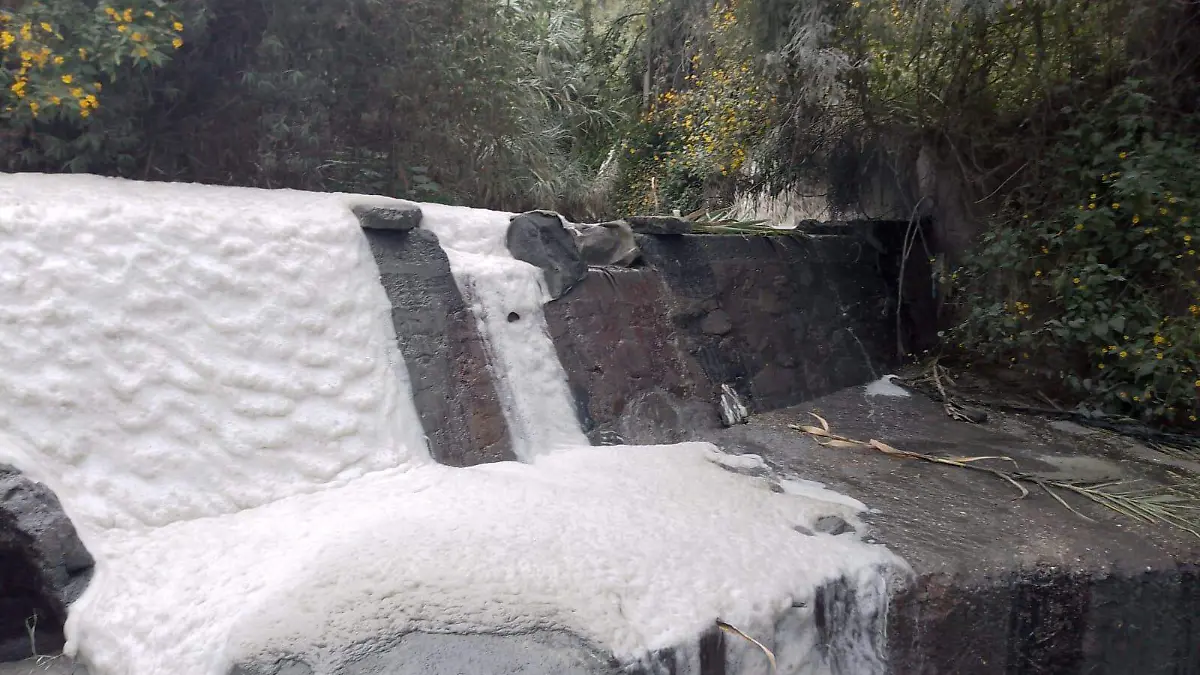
(1006, 585)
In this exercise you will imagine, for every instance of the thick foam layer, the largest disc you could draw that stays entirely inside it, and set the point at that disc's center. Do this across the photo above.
(213, 392)
(635, 549)
(181, 351)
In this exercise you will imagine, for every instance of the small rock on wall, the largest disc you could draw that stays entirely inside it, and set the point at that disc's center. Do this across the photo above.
(607, 244)
(400, 216)
(541, 238)
(43, 567)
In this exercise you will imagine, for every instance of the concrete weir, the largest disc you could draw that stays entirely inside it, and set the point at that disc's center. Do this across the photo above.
(799, 325)
(409, 561)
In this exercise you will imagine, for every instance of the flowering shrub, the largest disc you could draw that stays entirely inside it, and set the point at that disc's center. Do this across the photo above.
(1095, 280)
(55, 55)
(704, 131)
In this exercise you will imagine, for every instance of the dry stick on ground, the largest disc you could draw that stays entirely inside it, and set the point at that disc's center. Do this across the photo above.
(729, 628)
(1177, 506)
(1177, 445)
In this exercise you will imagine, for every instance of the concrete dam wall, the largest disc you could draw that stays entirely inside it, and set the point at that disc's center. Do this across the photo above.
(647, 347)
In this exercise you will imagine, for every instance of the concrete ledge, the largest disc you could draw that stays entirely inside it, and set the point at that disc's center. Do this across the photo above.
(1005, 585)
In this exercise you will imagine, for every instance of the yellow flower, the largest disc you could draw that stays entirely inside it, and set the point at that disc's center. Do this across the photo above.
(1078, 226)
(67, 79)
(1123, 354)
(58, 60)
(1075, 280)
(1162, 211)
(136, 37)
(1100, 366)
(1137, 219)
(1171, 200)
(77, 92)
(1116, 205)
(47, 27)
(1192, 418)
(122, 28)
(177, 26)
(1045, 250)
(1122, 155)
(1093, 196)
(1198, 383)
(84, 112)
(1092, 206)
(55, 100)
(82, 53)
(127, 15)
(149, 14)
(176, 43)
(1159, 356)
(1158, 339)
(1037, 273)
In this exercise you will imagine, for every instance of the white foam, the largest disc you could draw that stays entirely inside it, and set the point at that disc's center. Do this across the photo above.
(208, 380)
(531, 383)
(181, 351)
(885, 387)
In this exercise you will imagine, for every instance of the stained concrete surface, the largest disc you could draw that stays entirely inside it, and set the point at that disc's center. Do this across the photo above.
(1006, 585)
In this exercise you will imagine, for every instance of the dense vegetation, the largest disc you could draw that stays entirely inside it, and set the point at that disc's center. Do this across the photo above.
(1060, 134)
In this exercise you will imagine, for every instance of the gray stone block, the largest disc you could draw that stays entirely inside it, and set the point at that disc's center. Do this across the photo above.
(401, 216)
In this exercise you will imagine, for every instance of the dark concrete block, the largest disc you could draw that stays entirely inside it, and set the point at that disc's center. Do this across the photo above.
(452, 384)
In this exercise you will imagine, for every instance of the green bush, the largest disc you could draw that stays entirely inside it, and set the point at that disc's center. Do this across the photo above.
(56, 57)
(1092, 280)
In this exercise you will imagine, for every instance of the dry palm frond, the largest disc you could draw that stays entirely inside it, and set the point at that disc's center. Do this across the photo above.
(729, 628)
(1175, 506)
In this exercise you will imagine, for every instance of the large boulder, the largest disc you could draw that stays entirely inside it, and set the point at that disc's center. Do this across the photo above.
(541, 238)
(607, 244)
(43, 567)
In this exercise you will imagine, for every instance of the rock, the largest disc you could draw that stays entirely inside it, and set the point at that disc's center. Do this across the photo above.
(399, 215)
(607, 244)
(733, 412)
(716, 322)
(659, 225)
(833, 525)
(541, 238)
(43, 567)
(605, 437)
